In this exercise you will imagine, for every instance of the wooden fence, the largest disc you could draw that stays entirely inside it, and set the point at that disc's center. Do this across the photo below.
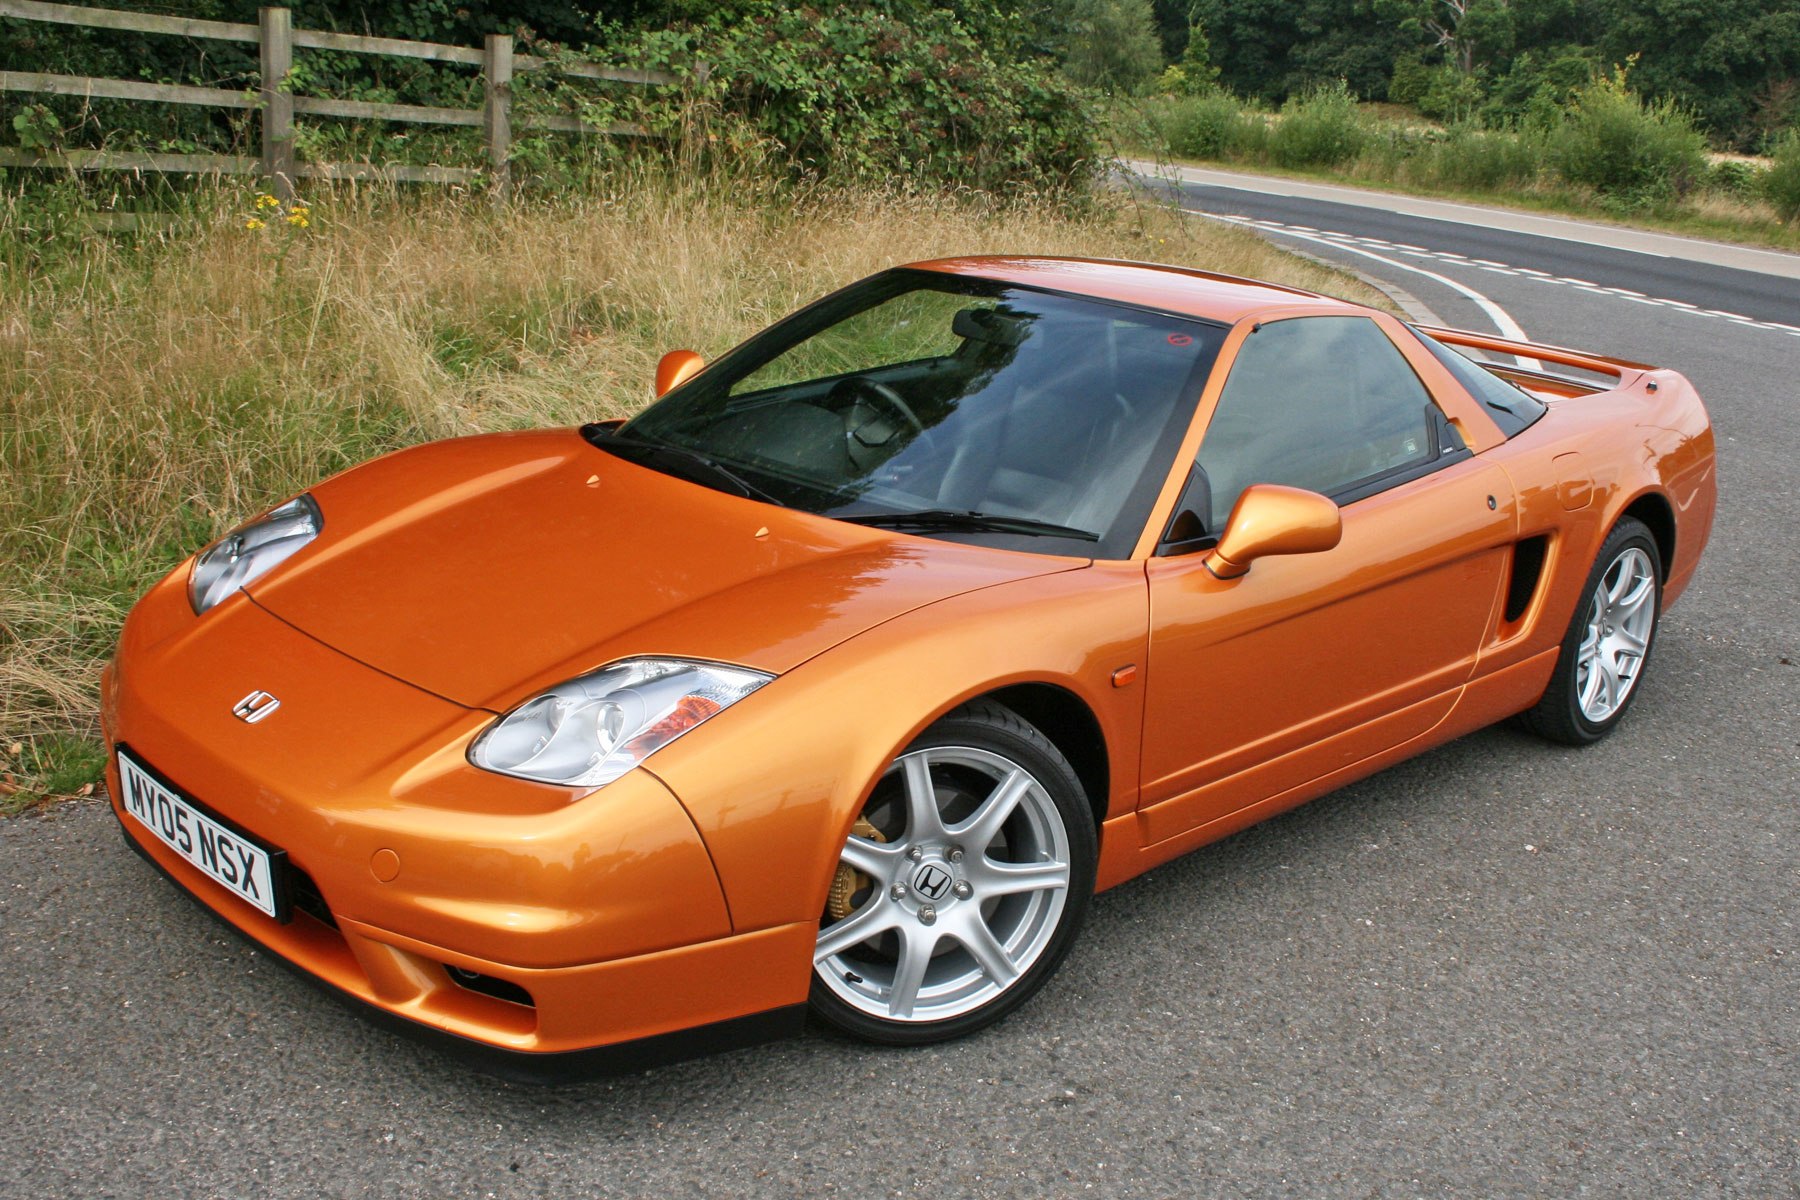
(276, 40)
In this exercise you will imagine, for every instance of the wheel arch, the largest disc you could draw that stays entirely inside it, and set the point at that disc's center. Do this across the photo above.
(1658, 515)
(1064, 718)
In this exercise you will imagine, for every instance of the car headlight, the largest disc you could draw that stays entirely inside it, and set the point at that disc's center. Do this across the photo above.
(251, 551)
(596, 727)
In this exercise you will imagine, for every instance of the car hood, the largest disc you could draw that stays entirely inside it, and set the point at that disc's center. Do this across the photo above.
(485, 569)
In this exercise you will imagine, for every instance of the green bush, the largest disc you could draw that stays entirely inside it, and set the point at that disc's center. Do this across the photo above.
(906, 92)
(1212, 126)
(1781, 182)
(1321, 128)
(857, 94)
(1632, 153)
(1392, 151)
(1735, 178)
(1451, 94)
(1538, 86)
(1481, 160)
(1410, 79)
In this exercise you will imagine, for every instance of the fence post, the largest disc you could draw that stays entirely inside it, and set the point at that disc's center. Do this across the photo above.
(275, 37)
(497, 74)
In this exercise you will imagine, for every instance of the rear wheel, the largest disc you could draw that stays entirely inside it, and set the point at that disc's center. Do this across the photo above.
(960, 887)
(1608, 644)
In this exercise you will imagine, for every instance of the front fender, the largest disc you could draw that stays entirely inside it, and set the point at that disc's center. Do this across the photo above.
(775, 782)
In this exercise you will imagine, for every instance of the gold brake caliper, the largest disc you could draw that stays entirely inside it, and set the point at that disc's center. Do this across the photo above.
(848, 881)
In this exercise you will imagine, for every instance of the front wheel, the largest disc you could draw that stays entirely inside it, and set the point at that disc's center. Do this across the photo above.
(1608, 643)
(960, 887)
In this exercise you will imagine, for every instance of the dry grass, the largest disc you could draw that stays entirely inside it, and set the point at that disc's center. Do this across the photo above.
(152, 393)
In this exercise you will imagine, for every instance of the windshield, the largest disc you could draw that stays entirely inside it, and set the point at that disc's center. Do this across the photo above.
(953, 407)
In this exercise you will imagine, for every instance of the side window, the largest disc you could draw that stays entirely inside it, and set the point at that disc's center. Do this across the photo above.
(1323, 403)
(1512, 408)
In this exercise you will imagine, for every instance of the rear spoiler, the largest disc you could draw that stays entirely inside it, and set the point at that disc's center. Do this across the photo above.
(1533, 356)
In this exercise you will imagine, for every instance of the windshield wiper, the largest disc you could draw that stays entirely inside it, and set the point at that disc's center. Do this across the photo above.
(711, 468)
(951, 519)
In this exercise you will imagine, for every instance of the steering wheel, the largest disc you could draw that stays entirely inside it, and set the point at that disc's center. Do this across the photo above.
(859, 389)
(874, 417)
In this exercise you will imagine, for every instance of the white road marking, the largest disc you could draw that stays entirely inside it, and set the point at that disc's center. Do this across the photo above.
(1353, 244)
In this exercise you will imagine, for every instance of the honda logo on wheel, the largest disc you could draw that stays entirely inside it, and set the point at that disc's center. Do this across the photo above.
(932, 882)
(255, 707)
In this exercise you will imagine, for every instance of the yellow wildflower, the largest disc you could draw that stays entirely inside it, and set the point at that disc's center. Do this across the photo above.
(254, 223)
(298, 219)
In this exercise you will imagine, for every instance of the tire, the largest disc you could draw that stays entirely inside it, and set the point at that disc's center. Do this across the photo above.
(1609, 642)
(961, 887)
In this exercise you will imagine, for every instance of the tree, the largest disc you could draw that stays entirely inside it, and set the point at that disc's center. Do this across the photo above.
(1714, 58)
(1343, 40)
(1467, 31)
(1196, 60)
(1108, 44)
(1271, 49)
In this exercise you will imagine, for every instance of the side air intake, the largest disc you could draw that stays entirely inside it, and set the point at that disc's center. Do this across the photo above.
(1527, 569)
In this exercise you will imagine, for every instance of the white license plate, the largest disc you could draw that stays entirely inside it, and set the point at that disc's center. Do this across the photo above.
(223, 855)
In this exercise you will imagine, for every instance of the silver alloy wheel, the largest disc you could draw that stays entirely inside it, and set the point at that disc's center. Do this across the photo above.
(961, 901)
(1621, 619)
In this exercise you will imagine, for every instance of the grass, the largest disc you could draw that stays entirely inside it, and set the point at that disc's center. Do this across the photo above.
(1511, 169)
(157, 389)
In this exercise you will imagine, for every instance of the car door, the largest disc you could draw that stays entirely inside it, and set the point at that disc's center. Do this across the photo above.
(1308, 663)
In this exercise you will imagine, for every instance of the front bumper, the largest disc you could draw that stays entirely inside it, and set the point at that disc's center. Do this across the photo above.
(436, 1023)
(587, 926)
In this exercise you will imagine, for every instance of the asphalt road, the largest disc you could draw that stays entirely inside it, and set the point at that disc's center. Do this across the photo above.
(1701, 277)
(1503, 969)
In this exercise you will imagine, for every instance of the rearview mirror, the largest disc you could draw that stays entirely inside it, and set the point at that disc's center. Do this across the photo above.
(1271, 519)
(675, 369)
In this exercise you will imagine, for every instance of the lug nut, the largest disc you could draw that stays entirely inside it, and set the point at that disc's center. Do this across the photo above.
(899, 892)
(915, 854)
(956, 854)
(963, 890)
(928, 915)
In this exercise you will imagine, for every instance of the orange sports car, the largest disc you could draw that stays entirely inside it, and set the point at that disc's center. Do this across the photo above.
(843, 675)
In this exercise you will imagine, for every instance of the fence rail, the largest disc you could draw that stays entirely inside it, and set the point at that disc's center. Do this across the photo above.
(276, 40)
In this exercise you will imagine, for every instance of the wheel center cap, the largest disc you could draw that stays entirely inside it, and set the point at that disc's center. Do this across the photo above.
(932, 881)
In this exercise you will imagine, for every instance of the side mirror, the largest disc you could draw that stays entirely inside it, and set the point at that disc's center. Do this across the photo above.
(1271, 519)
(675, 369)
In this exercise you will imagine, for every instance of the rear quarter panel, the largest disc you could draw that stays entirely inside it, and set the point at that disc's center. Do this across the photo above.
(1581, 467)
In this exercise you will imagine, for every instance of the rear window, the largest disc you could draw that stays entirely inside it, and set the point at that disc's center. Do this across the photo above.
(1512, 408)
